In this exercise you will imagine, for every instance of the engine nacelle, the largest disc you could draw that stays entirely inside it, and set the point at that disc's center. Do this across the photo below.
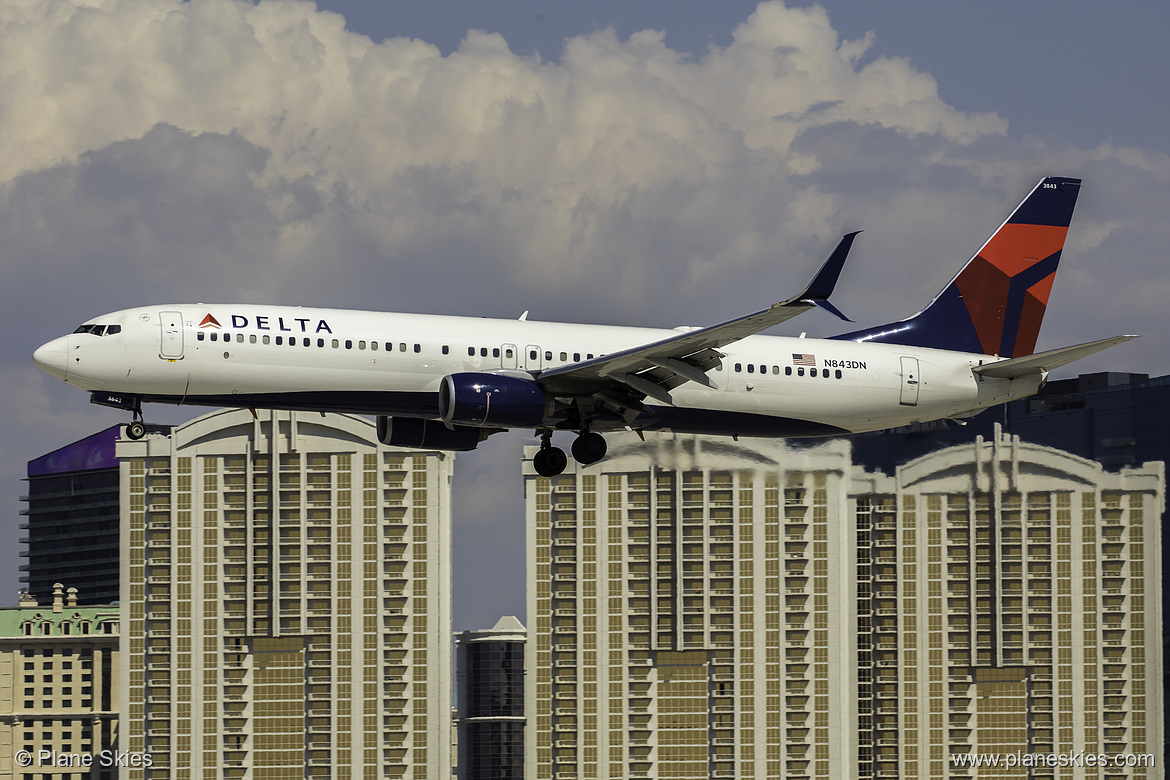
(492, 400)
(418, 434)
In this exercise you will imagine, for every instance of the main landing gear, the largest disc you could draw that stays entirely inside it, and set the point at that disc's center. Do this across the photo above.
(588, 448)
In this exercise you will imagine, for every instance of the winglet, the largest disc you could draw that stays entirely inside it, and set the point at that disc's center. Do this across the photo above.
(821, 287)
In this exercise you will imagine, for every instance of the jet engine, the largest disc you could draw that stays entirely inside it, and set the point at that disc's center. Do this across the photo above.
(429, 434)
(494, 400)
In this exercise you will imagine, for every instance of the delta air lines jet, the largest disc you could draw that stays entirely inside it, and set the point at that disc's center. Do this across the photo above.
(441, 382)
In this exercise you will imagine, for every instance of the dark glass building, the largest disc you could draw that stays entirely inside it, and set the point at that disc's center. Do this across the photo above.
(490, 676)
(72, 527)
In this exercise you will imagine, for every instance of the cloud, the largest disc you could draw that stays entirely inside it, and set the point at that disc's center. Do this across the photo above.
(158, 151)
(565, 173)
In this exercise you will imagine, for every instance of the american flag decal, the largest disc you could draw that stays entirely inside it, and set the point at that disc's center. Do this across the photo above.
(803, 359)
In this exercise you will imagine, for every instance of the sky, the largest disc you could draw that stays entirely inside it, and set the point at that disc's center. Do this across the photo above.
(641, 163)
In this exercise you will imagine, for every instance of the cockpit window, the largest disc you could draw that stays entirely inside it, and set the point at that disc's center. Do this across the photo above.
(100, 330)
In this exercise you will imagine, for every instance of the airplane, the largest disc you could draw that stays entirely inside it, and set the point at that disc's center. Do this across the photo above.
(449, 382)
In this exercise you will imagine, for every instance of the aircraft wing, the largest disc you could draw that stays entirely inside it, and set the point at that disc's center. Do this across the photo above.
(656, 368)
(1046, 361)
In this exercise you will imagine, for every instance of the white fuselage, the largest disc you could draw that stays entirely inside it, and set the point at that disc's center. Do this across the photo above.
(384, 363)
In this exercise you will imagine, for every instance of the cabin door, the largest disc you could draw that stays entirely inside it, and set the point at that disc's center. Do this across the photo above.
(909, 381)
(172, 335)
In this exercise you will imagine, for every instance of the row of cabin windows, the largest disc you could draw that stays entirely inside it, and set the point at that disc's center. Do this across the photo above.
(374, 345)
(751, 369)
(306, 342)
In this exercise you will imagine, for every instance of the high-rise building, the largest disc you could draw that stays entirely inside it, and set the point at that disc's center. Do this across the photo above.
(72, 527)
(1014, 600)
(490, 678)
(59, 687)
(703, 608)
(1116, 419)
(694, 613)
(286, 589)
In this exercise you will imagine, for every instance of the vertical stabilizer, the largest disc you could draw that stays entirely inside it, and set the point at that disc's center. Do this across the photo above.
(996, 303)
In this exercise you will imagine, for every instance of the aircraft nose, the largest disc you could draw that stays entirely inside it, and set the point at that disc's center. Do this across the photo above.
(53, 358)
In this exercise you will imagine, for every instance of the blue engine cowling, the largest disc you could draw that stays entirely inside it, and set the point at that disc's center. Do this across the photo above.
(429, 434)
(492, 400)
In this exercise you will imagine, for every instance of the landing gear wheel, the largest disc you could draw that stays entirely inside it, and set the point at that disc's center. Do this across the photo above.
(136, 430)
(589, 448)
(550, 461)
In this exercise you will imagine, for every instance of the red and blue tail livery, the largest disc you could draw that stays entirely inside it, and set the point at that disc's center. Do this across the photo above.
(996, 303)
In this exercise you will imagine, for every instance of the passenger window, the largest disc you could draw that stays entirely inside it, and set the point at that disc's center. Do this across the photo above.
(564, 357)
(532, 354)
(763, 369)
(361, 345)
(482, 351)
(199, 336)
(252, 339)
(306, 341)
(751, 368)
(576, 357)
(348, 343)
(775, 369)
(787, 370)
(495, 351)
(837, 373)
(335, 343)
(266, 339)
(389, 346)
(471, 352)
(446, 349)
(215, 336)
(800, 372)
(320, 342)
(589, 356)
(402, 346)
(279, 340)
(812, 372)
(508, 353)
(418, 347)
(738, 367)
(374, 346)
(548, 354)
(239, 338)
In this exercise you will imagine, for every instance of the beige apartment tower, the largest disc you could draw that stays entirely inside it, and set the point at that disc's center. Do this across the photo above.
(1009, 600)
(692, 613)
(286, 596)
(703, 608)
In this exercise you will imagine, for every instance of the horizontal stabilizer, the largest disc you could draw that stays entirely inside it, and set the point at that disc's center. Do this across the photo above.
(1046, 361)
